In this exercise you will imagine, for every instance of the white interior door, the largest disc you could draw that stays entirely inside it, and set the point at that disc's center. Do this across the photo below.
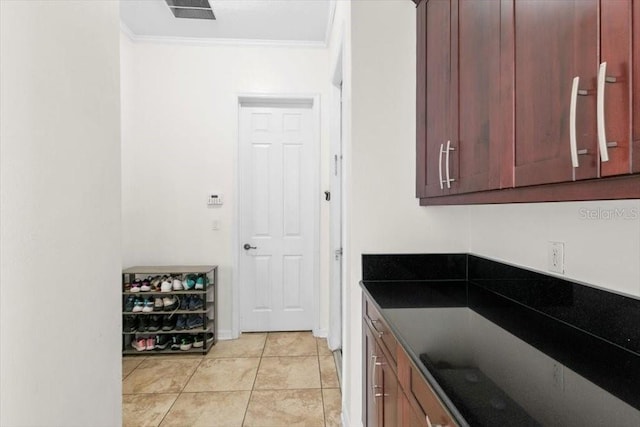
(277, 213)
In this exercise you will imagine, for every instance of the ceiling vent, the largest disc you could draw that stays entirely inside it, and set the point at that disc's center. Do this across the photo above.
(191, 9)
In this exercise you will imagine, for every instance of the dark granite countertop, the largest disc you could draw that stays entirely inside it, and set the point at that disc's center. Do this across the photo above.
(505, 346)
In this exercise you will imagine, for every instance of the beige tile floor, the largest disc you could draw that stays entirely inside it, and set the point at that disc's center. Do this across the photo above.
(279, 379)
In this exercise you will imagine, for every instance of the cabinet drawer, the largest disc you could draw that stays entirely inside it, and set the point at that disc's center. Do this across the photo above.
(419, 393)
(373, 318)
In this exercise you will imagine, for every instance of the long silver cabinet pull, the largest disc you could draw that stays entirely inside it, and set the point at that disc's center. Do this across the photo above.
(449, 149)
(602, 131)
(440, 166)
(374, 363)
(572, 123)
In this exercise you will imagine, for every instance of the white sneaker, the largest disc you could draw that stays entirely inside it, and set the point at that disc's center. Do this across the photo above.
(177, 285)
(166, 286)
(135, 286)
(147, 305)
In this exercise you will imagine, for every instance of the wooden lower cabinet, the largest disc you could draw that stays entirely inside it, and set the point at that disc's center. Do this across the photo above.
(395, 394)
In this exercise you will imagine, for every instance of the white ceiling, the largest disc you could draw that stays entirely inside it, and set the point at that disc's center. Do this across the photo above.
(285, 21)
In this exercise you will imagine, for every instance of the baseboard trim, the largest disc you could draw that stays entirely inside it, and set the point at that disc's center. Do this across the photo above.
(225, 334)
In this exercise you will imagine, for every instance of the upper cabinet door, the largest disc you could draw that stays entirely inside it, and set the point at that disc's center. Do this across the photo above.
(555, 42)
(615, 135)
(433, 94)
(478, 112)
(636, 87)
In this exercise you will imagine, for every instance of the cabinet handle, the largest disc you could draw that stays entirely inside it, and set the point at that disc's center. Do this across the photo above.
(372, 326)
(573, 141)
(374, 386)
(572, 123)
(440, 166)
(449, 149)
(602, 131)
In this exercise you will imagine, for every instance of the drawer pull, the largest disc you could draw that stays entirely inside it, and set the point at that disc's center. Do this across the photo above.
(373, 327)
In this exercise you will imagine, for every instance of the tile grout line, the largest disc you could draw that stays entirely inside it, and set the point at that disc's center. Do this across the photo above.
(324, 416)
(180, 392)
(246, 409)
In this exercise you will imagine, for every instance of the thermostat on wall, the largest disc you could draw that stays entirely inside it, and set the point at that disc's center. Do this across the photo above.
(215, 199)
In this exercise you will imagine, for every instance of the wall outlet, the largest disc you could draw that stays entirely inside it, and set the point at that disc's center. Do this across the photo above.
(215, 225)
(556, 257)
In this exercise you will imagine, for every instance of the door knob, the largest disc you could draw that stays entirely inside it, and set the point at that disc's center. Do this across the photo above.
(248, 246)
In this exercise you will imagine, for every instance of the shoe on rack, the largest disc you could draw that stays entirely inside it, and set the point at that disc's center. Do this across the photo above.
(185, 301)
(151, 343)
(195, 303)
(143, 323)
(158, 304)
(145, 286)
(139, 344)
(177, 284)
(135, 286)
(162, 342)
(181, 323)
(129, 303)
(138, 305)
(155, 323)
(175, 342)
(171, 303)
(186, 343)
(147, 305)
(130, 323)
(156, 283)
(195, 321)
(166, 285)
(189, 282)
(168, 322)
(209, 337)
(200, 282)
(198, 342)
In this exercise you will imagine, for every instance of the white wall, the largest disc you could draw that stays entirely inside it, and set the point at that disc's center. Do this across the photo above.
(180, 143)
(60, 218)
(383, 214)
(602, 239)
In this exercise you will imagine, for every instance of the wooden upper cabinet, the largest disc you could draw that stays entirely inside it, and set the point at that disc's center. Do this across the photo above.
(459, 119)
(555, 41)
(635, 149)
(433, 93)
(514, 105)
(616, 48)
(478, 136)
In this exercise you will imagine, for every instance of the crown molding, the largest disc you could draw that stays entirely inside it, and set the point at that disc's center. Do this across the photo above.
(198, 41)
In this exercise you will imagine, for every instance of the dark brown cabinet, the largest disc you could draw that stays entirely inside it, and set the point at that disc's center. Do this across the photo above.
(555, 41)
(527, 100)
(459, 117)
(635, 148)
(381, 385)
(395, 394)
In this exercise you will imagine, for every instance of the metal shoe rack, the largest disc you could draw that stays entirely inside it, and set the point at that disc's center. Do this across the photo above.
(208, 312)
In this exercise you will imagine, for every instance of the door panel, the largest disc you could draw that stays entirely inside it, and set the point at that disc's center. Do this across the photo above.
(615, 50)
(438, 88)
(479, 117)
(636, 86)
(276, 209)
(545, 64)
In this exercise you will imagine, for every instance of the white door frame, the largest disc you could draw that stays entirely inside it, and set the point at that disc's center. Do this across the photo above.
(267, 99)
(336, 280)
